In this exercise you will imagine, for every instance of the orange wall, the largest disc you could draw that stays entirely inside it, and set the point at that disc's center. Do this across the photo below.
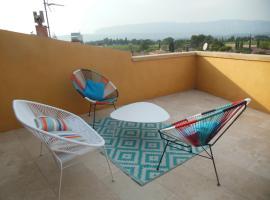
(38, 69)
(234, 79)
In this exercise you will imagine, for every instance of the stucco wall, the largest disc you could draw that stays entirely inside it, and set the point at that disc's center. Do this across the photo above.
(235, 77)
(39, 69)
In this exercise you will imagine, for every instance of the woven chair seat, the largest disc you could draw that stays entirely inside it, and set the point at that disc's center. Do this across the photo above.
(202, 130)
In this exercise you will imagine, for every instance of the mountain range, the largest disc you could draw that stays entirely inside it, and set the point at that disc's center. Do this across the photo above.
(221, 28)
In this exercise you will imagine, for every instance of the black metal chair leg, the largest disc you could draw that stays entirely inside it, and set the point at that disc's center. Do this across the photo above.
(89, 114)
(164, 150)
(218, 183)
(114, 106)
(94, 116)
(190, 149)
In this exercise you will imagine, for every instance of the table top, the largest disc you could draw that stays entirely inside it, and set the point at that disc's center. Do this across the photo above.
(142, 112)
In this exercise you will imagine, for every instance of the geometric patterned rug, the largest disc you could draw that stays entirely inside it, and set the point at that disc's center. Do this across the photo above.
(137, 147)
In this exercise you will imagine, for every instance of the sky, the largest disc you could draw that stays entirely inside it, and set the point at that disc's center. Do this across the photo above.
(87, 16)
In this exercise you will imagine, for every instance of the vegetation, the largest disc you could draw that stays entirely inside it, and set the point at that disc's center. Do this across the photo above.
(247, 44)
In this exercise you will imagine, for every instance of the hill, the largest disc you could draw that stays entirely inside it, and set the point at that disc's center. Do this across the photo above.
(221, 28)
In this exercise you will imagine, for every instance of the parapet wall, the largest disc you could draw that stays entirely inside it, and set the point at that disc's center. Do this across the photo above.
(39, 69)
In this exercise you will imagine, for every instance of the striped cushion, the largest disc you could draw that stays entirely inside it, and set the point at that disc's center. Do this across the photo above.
(47, 123)
(64, 146)
(70, 135)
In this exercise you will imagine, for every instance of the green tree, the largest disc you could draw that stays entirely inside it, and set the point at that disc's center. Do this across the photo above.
(258, 43)
(181, 44)
(159, 44)
(241, 45)
(249, 44)
(217, 45)
(231, 39)
(197, 41)
(169, 43)
(171, 46)
(167, 40)
(145, 44)
(236, 44)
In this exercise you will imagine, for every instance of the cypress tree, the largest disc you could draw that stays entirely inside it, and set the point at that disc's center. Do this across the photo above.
(258, 43)
(249, 45)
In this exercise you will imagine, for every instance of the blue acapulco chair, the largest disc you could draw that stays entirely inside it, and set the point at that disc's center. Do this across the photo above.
(202, 130)
(109, 94)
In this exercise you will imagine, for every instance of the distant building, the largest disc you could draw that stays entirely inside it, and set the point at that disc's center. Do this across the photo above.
(76, 37)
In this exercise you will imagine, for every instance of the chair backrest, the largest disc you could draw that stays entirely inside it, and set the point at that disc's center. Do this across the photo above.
(200, 129)
(80, 76)
(27, 111)
(24, 113)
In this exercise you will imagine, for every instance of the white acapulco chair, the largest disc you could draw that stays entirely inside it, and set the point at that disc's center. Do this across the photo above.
(64, 150)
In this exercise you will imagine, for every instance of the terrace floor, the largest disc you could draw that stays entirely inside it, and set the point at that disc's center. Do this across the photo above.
(242, 158)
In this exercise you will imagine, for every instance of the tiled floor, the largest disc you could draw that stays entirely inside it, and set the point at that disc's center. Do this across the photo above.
(242, 158)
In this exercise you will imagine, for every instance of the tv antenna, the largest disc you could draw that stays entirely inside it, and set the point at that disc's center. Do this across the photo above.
(47, 4)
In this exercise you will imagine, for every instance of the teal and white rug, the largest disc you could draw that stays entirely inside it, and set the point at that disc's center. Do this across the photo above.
(137, 147)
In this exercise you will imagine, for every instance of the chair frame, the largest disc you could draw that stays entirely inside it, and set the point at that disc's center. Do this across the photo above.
(42, 135)
(209, 155)
(95, 102)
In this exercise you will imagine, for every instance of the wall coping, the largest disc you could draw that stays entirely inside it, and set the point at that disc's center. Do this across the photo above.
(236, 56)
(163, 56)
